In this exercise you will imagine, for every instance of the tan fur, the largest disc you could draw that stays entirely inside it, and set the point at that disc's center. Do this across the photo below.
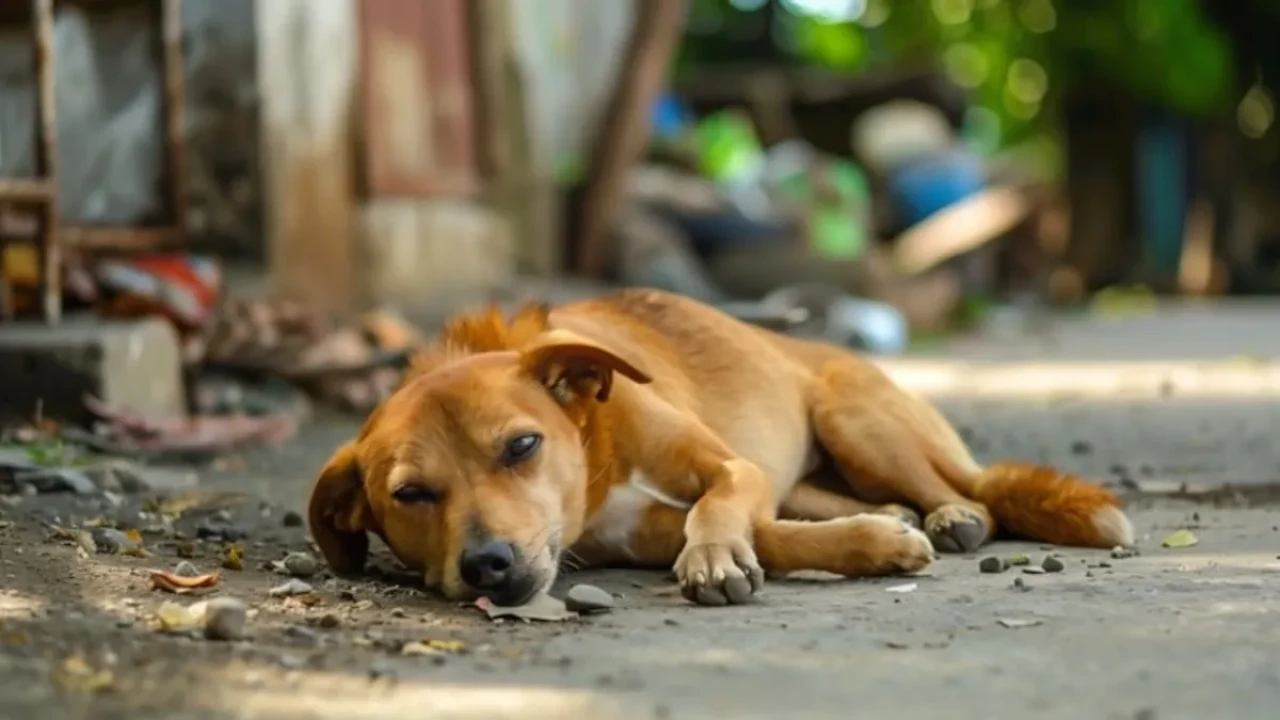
(674, 434)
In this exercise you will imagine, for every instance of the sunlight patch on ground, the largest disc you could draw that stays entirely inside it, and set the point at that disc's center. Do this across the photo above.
(941, 378)
(19, 606)
(440, 701)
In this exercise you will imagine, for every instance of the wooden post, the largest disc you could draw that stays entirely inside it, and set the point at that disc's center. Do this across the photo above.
(46, 164)
(624, 128)
(307, 70)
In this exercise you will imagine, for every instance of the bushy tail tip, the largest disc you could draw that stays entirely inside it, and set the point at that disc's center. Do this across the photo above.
(1042, 504)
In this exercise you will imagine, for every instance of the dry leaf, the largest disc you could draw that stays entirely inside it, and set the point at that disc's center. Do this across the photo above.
(233, 558)
(1181, 539)
(416, 649)
(541, 607)
(135, 536)
(447, 646)
(177, 618)
(136, 551)
(76, 675)
(180, 503)
(180, 585)
(1014, 623)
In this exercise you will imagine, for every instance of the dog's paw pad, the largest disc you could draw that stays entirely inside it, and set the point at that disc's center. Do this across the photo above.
(956, 529)
(715, 574)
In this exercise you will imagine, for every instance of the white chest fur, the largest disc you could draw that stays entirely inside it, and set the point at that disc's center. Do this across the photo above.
(616, 522)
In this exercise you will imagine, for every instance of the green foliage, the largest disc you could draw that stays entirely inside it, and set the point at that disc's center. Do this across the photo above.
(1017, 57)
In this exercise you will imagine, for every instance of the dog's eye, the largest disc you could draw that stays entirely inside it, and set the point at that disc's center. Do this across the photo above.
(414, 494)
(520, 448)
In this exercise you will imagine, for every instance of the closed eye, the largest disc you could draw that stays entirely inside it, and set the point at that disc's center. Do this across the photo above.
(415, 495)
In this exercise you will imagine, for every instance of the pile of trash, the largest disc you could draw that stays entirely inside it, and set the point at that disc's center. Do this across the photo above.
(792, 238)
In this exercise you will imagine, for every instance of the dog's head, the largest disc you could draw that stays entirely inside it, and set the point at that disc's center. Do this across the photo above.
(474, 471)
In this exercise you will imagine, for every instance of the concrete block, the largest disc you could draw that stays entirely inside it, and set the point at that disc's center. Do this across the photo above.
(132, 363)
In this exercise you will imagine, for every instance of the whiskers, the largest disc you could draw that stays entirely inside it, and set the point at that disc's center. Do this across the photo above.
(570, 562)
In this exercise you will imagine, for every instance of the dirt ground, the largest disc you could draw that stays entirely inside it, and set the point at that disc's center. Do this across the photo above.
(1185, 632)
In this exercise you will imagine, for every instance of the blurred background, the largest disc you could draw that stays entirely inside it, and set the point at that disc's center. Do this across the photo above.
(299, 189)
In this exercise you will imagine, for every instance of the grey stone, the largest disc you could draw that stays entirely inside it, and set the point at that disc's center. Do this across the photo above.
(300, 564)
(585, 598)
(110, 541)
(293, 587)
(992, 564)
(224, 619)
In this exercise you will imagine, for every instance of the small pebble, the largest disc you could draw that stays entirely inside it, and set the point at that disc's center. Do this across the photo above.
(1081, 447)
(305, 634)
(585, 598)
(293, 587)
(1033, 570)
(397, 612)
(1018, 584)
(1052, 564)
(300, 564)
(110, 541)
(292, 662)
(992, 565)
(185, 569)
(292, 519)
(1121, 552)
(224, 619)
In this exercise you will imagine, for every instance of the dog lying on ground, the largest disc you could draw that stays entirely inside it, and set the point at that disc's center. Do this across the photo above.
(647, 429)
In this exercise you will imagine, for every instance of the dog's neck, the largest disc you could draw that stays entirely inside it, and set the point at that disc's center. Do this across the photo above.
(602, 462)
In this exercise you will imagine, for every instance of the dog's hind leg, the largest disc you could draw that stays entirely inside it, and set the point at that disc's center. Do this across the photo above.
(808, 501)
(882, 440)
(865, 545)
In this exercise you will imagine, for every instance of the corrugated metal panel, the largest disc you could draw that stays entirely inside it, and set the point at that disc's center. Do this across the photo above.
(569, 52)
(417, 107)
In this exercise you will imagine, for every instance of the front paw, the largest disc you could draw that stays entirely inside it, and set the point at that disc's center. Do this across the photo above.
(719, 573)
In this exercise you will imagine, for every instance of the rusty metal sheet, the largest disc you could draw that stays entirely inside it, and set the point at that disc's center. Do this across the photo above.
(417, 103)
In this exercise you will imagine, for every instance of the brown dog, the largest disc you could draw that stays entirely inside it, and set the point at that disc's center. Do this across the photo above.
(645, 428)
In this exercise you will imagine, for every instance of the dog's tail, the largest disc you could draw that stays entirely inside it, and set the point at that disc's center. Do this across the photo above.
(1042, 504)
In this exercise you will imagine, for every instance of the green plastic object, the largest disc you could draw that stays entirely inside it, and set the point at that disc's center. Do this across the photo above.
(838, 219)
(728, 146)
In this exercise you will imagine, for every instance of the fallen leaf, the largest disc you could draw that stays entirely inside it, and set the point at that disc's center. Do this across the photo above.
(76, 675)
(447, 646)
(181, 503)
(1015, 623)
(135, 536)
(177, 618)
(543, 607)
(905, 588)
(1181, 539)
(233, 558)
(136, 551)
(1019, 559)
(416, 649)
(181, 585)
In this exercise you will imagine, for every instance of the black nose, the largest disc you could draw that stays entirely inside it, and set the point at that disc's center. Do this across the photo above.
(488, 566)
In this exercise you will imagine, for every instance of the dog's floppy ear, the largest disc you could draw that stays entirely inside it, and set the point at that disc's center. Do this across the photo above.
(572, 366)
(339, 513)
